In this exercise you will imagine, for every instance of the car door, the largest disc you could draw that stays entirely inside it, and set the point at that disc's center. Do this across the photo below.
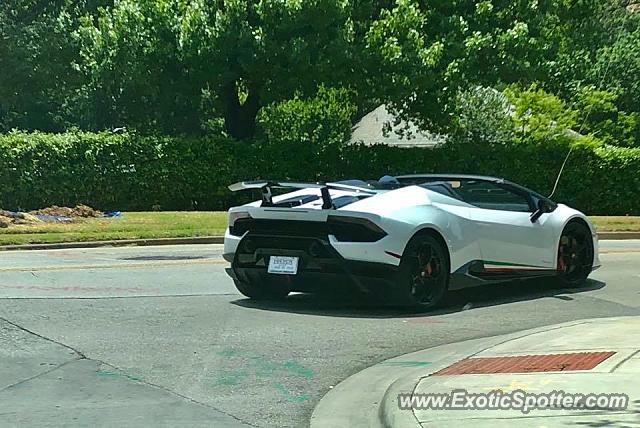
(507, 238)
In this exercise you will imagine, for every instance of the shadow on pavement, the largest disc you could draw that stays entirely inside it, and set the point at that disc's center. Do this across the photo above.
(351, 304)
(615, 421)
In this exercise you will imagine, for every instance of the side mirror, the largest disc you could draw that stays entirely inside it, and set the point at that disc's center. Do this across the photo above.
(543, 207)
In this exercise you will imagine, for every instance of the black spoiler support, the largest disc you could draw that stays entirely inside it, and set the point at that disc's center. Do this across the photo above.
(267, 196)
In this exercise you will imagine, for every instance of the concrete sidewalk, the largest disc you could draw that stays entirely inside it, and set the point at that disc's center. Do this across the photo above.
(600, 356)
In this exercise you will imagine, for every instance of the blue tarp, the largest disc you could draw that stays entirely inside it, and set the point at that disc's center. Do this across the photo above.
(60, 218)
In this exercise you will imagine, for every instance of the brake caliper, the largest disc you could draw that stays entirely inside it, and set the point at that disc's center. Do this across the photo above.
(562, 266)
(427, 271)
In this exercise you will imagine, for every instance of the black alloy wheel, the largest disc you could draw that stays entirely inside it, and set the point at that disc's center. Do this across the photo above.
(424, 272)
(575, 254)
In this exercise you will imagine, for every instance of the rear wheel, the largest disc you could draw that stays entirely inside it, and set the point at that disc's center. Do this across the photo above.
(424, 272)
(575, 255)
(262, 291)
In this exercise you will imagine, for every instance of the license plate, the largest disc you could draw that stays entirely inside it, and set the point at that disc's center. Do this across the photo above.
(283, 265)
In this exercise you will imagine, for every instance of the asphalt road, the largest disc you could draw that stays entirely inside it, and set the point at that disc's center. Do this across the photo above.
(158, 335)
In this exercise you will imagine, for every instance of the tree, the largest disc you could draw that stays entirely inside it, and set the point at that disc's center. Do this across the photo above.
(482, 115)
(253, 53)
(135, 76)
(37, 80)
(617, 67)
(598, 114)
(591, 47)
(305, 135)
(427, 51)
(538, 115)
(186, 66)
(244, 54)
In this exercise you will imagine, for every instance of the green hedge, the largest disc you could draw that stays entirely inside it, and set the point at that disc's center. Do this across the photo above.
(131, 172)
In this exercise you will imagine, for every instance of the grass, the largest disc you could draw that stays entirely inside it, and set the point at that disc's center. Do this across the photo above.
(132, 225)
(144, 225)
(616, 223)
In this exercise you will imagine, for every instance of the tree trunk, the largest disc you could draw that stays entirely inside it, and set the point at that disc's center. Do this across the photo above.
(240, 119)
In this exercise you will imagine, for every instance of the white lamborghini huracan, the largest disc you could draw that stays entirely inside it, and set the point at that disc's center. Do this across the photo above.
(407, 239)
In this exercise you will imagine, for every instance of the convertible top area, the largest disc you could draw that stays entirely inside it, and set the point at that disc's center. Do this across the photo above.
(421, 178)
(461, 187)
(327, 201)
(366, 186)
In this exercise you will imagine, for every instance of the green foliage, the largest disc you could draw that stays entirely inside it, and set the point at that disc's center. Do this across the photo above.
(538, 115)
(208, 67)
(541, 116)
(37, 79)
(321, 120)
(134, 74)
(426, 51)
(596, 180)
(308, 132)
(585, 27)
(123, 171)
(600, 50)
(150, 63)
(482, 115)
(599, 115)
(132, 172)
(617, 67)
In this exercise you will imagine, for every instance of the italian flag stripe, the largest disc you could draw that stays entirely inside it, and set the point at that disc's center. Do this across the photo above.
(493, 266)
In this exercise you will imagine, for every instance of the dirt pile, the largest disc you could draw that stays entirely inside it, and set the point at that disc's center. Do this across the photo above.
(4, 220)
(52, 213)
(8, 218)
(79, 211)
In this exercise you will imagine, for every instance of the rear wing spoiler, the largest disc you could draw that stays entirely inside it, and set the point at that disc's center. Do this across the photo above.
(267, 195)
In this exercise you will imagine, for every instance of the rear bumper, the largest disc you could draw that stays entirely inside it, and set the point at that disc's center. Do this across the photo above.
(320, 267)
(367, 277)
(378, 252)
(322, 264)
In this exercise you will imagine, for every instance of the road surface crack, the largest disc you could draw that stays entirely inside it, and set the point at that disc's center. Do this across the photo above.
(26, 330)
(171, 391)
(82, 356)
(73, 360)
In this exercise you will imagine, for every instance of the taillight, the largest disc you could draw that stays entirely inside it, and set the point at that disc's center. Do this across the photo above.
(235, 215)
(354, 229)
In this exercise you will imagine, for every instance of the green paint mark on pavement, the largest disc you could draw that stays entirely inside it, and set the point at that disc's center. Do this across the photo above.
(118, 374)
(264, 367)
(298, 369)
(288, 395)
(260, 366)
(231, 377)
(229, 353)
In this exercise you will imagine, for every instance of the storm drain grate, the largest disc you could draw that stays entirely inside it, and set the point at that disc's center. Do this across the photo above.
(526, 363)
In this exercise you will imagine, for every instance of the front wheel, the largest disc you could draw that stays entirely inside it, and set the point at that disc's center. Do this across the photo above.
(261, 291)
(423, 277)
(575, 255)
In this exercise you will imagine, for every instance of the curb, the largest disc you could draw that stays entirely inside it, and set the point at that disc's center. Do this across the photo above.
(118, 243)
(618, 235)
(368, 398)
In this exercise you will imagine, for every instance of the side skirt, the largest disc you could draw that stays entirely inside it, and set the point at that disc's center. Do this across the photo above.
(479, 272)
